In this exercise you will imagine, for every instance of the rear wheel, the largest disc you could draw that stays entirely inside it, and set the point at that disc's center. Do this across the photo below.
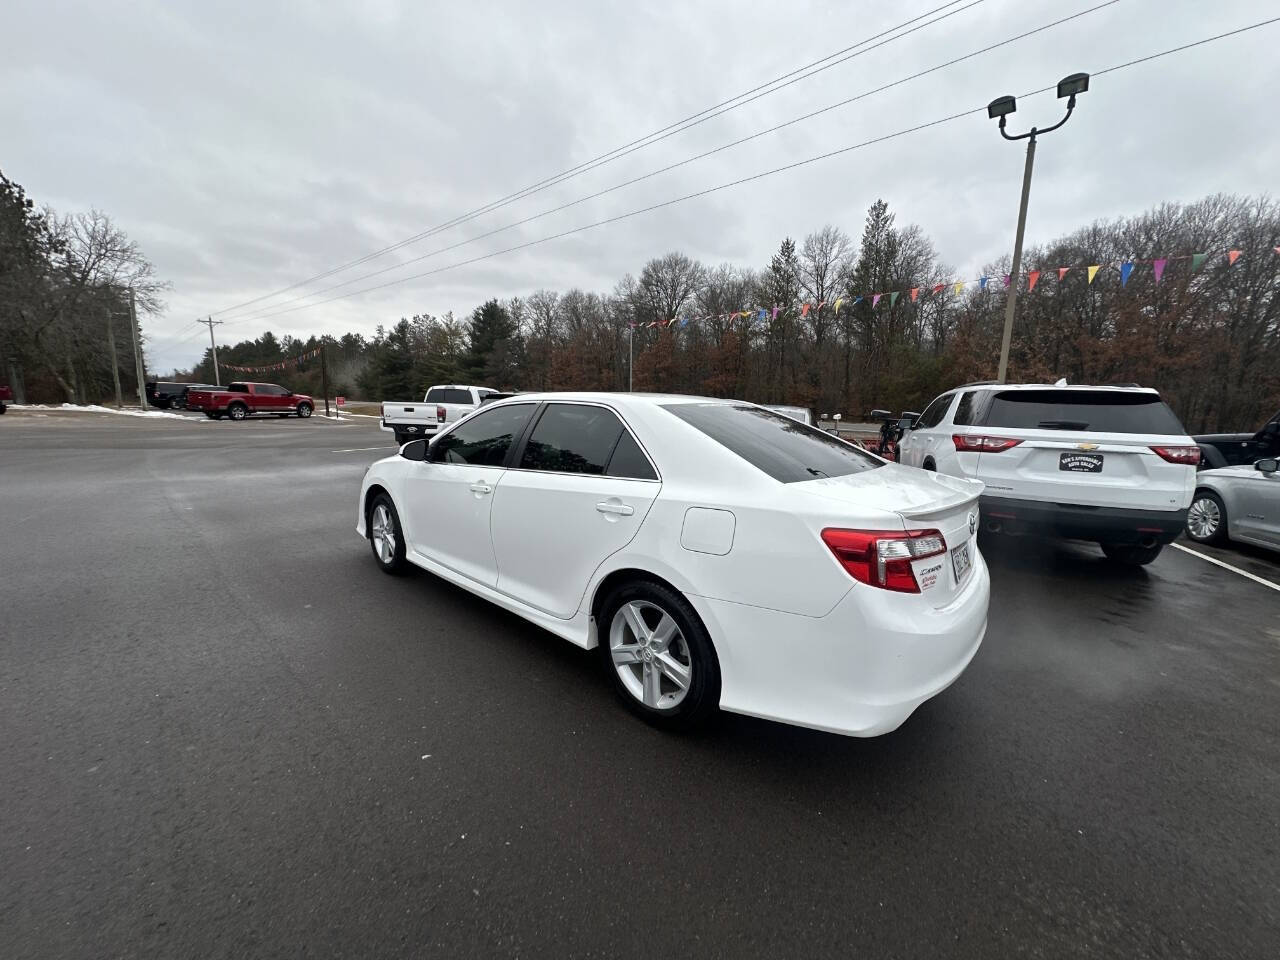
(1207, 518)
(385, 537)
(237, 411)
(1131, 554)
(659, 655)
(211, 415)
(304, 410)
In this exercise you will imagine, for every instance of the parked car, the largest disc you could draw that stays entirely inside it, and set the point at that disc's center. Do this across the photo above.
(6, 398)
(166, 394)
(239, 400)
(442, 405)
(1108, 464)
(1240, 502)
(1229, 449)
(718, 554)
(803, 414)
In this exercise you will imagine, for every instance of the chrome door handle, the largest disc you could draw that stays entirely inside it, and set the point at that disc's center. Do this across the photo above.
(481, 488)
(610, 506)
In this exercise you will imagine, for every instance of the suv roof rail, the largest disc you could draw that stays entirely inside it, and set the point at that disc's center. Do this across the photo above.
(976, 383)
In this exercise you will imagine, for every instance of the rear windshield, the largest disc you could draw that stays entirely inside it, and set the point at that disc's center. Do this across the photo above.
(448, 395)
(785, 449)
(1095, 411)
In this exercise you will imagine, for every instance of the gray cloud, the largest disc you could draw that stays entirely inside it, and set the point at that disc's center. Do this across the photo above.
(246, 147)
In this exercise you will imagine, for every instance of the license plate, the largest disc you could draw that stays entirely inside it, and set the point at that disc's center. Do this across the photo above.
(960, 561)
(1080, 462)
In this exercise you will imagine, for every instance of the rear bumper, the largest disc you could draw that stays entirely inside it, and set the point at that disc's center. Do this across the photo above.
(416, 430)
(1104, 524)
(861, 670)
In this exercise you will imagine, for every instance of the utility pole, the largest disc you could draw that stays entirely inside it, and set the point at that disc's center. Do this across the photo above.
(631, 336)
(210, 323)
(324, 378)
(1000, 108)
(115, 364)
(137, 351)
(15, 381)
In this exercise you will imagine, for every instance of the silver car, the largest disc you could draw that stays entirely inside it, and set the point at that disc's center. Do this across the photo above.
(1238, 503)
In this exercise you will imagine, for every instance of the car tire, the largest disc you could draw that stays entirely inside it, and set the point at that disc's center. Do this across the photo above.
(1131, 554)
(650, 684)
(1207, 518)
(385, 535)
(210, 415)
(237, 411)
(930, 466)
(304, 410)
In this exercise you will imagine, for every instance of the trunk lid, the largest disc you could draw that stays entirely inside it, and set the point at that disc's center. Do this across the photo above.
(1088, 469)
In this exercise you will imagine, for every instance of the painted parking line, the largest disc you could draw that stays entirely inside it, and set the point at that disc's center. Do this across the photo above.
(1226, 566)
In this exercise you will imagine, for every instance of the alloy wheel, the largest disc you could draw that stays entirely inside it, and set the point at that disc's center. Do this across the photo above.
(384, 533)
(1203, 519)
(650, 654)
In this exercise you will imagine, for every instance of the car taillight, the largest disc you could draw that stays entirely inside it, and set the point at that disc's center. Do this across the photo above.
(440, 414)
(977, 444)
(882, 558)
(1187, 455)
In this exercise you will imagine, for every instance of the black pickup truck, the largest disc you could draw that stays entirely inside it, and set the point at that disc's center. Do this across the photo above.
(1229, 449)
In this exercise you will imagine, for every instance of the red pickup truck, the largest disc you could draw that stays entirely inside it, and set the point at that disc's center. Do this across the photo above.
(239, 400)
(5, 394)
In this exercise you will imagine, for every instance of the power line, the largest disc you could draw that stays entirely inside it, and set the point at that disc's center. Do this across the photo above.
(748, 96)
(270, 311)
(766, 173)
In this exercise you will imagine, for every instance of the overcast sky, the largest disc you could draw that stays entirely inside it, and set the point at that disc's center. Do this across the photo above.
(247, 146)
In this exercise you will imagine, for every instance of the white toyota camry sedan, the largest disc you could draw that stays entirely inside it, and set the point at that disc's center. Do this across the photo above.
(718, 554)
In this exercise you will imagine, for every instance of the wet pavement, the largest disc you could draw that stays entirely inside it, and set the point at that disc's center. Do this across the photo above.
(226, 734)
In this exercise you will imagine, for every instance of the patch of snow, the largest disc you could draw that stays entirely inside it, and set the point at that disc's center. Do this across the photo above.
(95, 408)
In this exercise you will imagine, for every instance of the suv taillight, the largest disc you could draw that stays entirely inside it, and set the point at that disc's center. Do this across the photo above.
(1187, 455)
(440, 411)
(882, 558)
(969, 443)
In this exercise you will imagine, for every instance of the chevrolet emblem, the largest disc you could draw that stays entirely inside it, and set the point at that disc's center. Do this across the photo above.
(1086, 446)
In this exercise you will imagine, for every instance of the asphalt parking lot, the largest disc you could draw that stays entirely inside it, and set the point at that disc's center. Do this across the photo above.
(226, 734)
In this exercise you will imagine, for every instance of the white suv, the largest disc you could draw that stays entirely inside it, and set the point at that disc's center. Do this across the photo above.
(1109, 464)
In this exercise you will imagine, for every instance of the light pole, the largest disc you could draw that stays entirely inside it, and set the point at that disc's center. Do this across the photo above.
(1068, 87)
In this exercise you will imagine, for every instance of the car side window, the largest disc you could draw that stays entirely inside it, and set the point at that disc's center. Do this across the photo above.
(484, 439)
(629, 462)
(934, 412)
(572, 438)
(964, 409)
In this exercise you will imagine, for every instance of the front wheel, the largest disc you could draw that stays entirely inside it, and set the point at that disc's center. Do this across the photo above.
(1131, 554)
(659, 655)
(304, 410)
(385, 536)
(1207, 518)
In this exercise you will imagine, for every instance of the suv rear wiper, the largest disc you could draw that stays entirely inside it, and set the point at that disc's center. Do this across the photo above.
(1063, 425)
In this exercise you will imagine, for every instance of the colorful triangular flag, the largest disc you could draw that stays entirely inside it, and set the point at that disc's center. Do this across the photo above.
(959, 285)
(893, 298)
(1197, 260)
(839, 300)
(1007, 278)
(1032, 277)
(1062, 272)
(804, 310)
(875, 298)
(915, 291)
(1093, 271)
(857, 300)
(1157, 267)
(1126, 268)
(939, 288)
(1232, 257)
(982, 283)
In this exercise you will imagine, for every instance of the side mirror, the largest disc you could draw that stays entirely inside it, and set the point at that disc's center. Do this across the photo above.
(414, 450)
(1269, 465)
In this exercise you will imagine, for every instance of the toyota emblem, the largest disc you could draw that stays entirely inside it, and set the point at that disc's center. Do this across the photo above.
(973, 523)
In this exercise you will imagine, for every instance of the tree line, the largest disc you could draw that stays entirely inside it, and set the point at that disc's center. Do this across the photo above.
(66, 281)
(1207, 333)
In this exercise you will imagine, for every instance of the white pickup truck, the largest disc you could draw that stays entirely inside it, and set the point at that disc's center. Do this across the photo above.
(442, 405)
